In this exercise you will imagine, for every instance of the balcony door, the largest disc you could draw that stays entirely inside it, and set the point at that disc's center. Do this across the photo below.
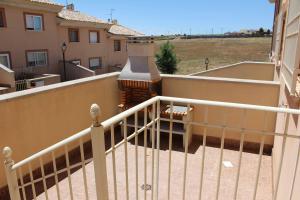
(5, 59)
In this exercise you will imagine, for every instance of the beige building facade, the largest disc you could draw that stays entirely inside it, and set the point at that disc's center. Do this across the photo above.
(286, 55)
(33, 32)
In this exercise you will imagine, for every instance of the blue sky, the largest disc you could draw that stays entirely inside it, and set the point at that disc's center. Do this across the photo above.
(172, 16)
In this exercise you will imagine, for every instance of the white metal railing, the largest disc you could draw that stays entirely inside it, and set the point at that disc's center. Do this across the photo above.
(21, 85)
(146, 118)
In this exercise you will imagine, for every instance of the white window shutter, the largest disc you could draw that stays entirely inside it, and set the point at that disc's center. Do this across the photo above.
(95, 62)
(93, 37)
(291, 52)
(4, 60)
(29, 22)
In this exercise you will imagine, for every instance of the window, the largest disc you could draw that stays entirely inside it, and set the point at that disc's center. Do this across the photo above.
(37, 58)
(73, 35)
(2, 18)
(95, 63)
(34, 22)
(94, 37)
(5, 59)
(117, 45)
(290, 56)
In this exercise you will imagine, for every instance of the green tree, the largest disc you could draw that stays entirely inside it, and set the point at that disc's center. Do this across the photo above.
(261, 31)
(166, 59)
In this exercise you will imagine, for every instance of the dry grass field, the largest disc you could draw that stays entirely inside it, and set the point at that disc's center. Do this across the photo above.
(220, 51)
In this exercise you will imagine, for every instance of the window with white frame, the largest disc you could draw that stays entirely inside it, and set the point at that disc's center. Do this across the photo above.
(94, 37)
(95, 63)
(34, 22)
(5, 59)
(37, 58)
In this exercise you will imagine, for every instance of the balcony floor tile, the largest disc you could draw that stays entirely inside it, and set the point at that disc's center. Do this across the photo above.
(212, 156)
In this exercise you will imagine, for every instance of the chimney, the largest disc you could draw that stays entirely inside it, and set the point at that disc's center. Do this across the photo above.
(141, 64)
(141, 46)
(70, 7)
(115, 22)
(140, 79)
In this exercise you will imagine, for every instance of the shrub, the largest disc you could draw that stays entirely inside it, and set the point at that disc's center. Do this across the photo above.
(166, 59)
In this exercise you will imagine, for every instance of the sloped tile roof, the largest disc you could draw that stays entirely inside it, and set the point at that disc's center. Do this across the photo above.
(50, 2)
(78, 16)
(122, 30)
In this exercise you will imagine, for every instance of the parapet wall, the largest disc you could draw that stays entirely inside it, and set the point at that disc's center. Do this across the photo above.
(244, 70)
(34, 119)
(7, 77)
(37, 118)
(227, 90)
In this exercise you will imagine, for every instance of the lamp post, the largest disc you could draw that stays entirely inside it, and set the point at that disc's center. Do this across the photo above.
(206, 63)
(63, 49)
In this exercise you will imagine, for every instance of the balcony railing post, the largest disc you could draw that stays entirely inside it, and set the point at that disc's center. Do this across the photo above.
(11, 175)
(98, 147)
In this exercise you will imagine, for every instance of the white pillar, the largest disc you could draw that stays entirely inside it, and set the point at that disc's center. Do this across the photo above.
(98, 147)
(11, 175)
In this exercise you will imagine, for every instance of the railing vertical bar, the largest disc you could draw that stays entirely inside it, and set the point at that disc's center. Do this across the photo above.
(43, 176)
(186, 146)
(170, 147)
(221, 158)
(68, 171)
(153, 146)
(295, 172)
(261, 150)
(239, 164)
(83, 169)
(55, 175)
(112, 134)
(203, 152)
(286, 126)
(22, 183)
(99, 158)
(126, 158)
(32, 180)
(157, 149)
(240, 153)
(145, 152)
(136, 155)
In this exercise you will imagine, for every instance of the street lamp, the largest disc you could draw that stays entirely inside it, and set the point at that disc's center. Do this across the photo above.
(206, 63)
(63, 49)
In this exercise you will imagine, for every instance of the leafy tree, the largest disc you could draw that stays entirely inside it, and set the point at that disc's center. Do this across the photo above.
(166, 59)
(261, 31)
(268, 31)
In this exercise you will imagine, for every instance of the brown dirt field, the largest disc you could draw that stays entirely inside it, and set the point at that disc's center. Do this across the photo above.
(220, 51)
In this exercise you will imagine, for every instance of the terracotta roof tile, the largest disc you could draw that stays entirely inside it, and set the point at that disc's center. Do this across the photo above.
(121, 30)
(78, 16)
(50, 2)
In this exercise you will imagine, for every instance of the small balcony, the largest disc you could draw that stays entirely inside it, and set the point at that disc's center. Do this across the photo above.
(142, 154)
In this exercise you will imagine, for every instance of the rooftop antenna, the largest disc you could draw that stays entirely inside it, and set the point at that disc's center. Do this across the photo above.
(111, 14)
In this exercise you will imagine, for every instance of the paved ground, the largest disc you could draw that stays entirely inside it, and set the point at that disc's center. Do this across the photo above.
(246, 183)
